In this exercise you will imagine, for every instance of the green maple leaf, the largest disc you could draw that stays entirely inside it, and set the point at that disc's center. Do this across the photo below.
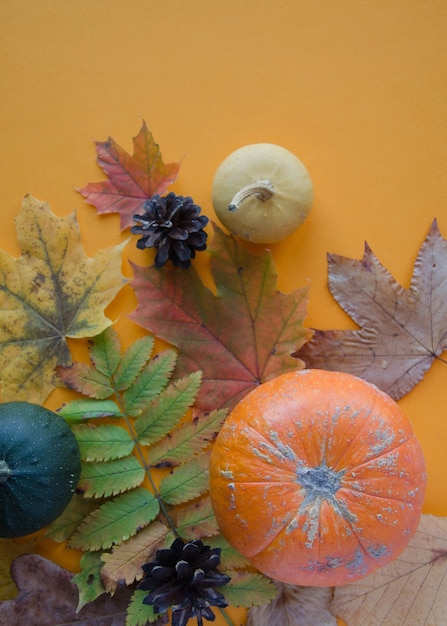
(53, 291)
(240, 337)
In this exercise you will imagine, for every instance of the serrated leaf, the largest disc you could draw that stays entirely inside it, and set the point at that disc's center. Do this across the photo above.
(109, 478)
(186, 440)
(409, 591)
(230, 558)
(187, 481)
(124, 562)
(102, 443)
(78, 410)
(306, 606)
(116, 520)
(132, 179)
(65, 525)
(196, 519)
(51, 292)
(139, 614)
(167, 409)
(132, 362)
(238, 338)
(88, 579)
(402, 331)
(85, 379)
(105, 352)
(248, 589)
(152, 380)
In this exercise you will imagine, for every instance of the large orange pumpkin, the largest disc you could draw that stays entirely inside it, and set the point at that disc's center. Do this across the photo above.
(317, 477)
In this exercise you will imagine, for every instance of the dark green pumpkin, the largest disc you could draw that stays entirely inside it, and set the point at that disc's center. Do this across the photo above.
(39, 467)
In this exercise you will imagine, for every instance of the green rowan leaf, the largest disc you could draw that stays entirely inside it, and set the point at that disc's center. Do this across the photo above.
(105, 352)
(230, 558)
(187, 440)
(187, 481)
(100, 480)
(132, 362)
(102, 443)
(116, 520)
(139, 614)
(248, 589)
(167, 409)
(85, 379)
(196, 519)
(152, 380)
(65, 525)
(88, 579)
(85, 409)
(125, 562)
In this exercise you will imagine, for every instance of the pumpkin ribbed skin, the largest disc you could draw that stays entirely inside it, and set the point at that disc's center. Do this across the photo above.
(317, 477)
(39, 467)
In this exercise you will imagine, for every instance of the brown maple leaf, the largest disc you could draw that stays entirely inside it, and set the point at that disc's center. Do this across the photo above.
(401, 330)
(131, 179)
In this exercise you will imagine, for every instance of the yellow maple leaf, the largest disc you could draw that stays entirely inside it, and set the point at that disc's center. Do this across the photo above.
(51, 292)
(10, 550)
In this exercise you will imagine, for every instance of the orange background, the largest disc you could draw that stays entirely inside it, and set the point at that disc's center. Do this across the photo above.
(357, 89)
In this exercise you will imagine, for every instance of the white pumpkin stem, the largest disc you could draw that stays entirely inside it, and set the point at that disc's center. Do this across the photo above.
(262, 189)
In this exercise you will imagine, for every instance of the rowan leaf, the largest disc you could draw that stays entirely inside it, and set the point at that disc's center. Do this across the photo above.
(85, 409)
(306, 606)
(410, 591)
(151, 381)
(132, 362)
(187, 481)
(88, 579)
(186, 440)
(248, 589)
(105, 352)
(139, 614)
(132, 180)
(116, 520)
(402, 331)
(102, 443)
(125, 562)
(109, 478)
(51, 292)
(195, 519)
(85, 379)
(65, 525)
(167, 409)
(238, 338)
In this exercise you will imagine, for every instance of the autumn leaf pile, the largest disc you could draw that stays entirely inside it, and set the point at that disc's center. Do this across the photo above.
(145, 421)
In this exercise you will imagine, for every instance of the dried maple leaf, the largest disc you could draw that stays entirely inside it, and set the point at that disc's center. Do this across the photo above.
(401, 330)
(238, 338)
(306, 606)
(52, 291)
(47, 596)
(132, 179)
(410, 591)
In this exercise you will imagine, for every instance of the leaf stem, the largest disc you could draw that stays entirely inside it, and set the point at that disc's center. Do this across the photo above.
(142, 460)
(226, 617)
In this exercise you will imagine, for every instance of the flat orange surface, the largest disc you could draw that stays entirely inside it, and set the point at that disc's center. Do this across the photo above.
(356, 89)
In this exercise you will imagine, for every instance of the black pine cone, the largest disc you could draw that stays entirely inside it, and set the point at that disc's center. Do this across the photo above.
(173, 225)
(183, 578)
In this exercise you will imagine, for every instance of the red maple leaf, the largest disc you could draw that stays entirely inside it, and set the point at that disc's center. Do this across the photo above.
(131, 179)
(241, 336)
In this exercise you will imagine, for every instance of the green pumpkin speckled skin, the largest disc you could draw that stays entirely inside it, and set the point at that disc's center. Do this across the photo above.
(40, 467)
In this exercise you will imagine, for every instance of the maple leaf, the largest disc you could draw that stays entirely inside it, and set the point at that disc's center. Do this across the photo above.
(306, 606)
(51, 292)
(410, 591)
(10, 550)
(131, 179)
(401, 330)
(238, 338)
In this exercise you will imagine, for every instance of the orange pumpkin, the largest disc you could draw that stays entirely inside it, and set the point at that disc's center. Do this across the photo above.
(317, 477)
